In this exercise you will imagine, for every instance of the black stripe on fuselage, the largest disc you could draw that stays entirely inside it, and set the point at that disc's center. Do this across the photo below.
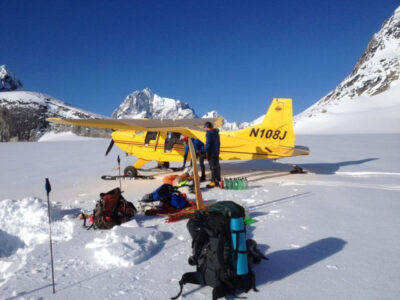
(226, 152)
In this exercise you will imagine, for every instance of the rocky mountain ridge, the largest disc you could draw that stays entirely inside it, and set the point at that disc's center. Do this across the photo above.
(23, 116)
(376, 71)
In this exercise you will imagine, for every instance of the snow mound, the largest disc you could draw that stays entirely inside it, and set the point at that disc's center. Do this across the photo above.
(27, 220)
(125, 246)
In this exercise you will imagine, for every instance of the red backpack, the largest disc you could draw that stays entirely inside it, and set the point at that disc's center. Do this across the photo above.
(112, 209)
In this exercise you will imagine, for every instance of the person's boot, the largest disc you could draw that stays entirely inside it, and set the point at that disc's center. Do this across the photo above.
(212, 184)
(202, 178)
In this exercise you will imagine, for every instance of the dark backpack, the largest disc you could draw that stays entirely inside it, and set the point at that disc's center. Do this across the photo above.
(112, 209)
(162, 193)
(220, 251)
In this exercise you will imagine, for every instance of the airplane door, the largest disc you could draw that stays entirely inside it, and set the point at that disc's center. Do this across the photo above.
(172, 138)
(151, 140)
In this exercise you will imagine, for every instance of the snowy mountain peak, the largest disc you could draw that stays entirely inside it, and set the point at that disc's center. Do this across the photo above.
(8, 81)
(211, 114)
(146, 104)
(381, 59)
(226, 126)
(376, 71)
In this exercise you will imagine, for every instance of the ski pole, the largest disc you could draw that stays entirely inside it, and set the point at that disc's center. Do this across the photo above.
(119, 171)
(48, 190)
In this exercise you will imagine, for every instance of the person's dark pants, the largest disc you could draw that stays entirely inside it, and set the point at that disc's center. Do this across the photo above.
(201, 156)
(213, 162)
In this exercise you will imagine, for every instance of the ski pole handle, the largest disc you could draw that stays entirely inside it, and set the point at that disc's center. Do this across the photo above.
(48, 186)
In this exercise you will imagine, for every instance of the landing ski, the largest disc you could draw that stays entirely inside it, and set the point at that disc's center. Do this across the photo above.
(111, 177)
(160, 171)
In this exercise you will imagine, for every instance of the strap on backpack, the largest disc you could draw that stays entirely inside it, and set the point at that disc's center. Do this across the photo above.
(253, 281)
(219, 292)
(92, 225)
(189, 277)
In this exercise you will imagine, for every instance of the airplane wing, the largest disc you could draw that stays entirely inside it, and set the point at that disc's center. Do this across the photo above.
(140, 124)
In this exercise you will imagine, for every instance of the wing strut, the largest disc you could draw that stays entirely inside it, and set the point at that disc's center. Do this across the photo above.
(189, 212)
(199, 197)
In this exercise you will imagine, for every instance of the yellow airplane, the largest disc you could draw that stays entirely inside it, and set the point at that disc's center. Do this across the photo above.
(161, 140)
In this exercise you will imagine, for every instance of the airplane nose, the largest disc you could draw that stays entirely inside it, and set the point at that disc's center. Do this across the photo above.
(110, 146)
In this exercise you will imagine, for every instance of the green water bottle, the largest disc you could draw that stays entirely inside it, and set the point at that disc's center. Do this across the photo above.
(235, 183)
(229, 184)
(240, 183)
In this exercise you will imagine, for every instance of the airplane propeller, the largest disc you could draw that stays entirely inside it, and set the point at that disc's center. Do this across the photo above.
(110, 146)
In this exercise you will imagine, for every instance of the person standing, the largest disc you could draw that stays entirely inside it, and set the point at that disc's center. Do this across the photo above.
(212, 154)
(199, 149)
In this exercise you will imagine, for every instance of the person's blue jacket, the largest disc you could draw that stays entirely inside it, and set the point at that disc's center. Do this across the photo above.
(197, 145)
(212, 141)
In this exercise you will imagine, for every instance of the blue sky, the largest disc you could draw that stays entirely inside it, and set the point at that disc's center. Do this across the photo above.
(231, 56)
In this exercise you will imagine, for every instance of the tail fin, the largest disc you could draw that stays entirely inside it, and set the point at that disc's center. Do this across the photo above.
(277, 126)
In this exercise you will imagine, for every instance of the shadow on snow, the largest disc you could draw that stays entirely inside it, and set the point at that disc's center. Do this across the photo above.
(269, 169)
(284, 263)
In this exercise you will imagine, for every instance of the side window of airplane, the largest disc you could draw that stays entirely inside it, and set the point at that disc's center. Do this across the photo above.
(151, 135)
(171, 140)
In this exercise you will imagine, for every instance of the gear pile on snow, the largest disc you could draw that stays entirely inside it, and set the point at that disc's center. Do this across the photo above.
(170, 200)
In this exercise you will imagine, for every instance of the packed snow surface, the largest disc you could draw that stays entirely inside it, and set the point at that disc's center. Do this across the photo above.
(62, 136)
(330, 234)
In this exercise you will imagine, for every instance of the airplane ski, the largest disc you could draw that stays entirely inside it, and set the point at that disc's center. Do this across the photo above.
(112, 177)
